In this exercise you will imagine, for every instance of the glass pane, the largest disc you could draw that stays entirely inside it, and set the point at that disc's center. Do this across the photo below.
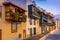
(14, 25)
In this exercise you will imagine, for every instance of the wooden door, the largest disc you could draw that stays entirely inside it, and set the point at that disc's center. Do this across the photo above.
(0, 34)
(30, 31)
(24, 34)
(34, 31)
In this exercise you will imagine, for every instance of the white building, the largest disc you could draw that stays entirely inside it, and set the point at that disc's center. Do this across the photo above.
(30, 27)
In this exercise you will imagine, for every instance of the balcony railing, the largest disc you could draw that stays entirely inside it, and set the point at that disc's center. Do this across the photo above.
(50, 21)
(15, 16)
(35, 14)
(44, 22)
(53, 22)
(45, 19)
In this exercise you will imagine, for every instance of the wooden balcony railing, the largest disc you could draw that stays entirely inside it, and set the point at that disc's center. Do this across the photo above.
(15, 16)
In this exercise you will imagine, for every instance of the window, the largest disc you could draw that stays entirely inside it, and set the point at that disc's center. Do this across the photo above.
(14, 27)
(30, 21)
(34, 31)
(34, 22)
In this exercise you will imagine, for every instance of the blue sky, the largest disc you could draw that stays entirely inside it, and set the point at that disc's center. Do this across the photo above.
(52, 6)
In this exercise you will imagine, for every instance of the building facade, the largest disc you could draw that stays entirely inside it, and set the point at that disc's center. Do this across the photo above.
(44, 21)
(12, 21)
(17, 22)
(51, 22)
(57, 21)
(34, 16)
(47, 22)
(21, 21)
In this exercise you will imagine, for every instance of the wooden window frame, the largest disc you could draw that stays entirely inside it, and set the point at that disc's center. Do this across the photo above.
(30, 21)
(34, 22)
(12, 30)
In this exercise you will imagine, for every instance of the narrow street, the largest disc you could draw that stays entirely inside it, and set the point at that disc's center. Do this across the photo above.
(54, 35)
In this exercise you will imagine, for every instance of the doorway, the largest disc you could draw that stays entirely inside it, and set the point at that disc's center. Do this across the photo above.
(24, 34)
(0, 34)
(34, 31)
(30, 31)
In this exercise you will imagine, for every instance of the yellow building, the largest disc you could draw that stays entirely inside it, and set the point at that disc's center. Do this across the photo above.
(51, 21)
(12, 22)
(47, 21)
(16, 22)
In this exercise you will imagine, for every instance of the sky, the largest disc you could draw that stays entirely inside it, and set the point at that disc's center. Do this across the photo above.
(52, 6)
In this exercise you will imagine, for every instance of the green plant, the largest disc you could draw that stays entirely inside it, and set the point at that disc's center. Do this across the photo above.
(17, 15)
(23, 17)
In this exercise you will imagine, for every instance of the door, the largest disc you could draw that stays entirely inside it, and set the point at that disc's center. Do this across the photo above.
(0, 34)
(34, 31)
(30, 31)
(24, 34)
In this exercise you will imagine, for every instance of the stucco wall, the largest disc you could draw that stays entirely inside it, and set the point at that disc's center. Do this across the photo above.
(8, 35)
(6, 28)
(38, 28)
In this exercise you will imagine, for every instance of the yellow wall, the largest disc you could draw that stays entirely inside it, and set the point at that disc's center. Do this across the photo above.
(6, 28)
(6, 31)
(38, 28)
(47, 28)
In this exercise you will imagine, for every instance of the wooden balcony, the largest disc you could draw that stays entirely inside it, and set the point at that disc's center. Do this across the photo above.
(13, 12)
(8, 16)
(11, 16)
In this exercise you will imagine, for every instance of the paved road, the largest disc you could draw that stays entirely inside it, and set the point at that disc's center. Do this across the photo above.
(54, 35)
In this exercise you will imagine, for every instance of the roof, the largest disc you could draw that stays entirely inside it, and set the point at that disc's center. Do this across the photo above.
(10, 3)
